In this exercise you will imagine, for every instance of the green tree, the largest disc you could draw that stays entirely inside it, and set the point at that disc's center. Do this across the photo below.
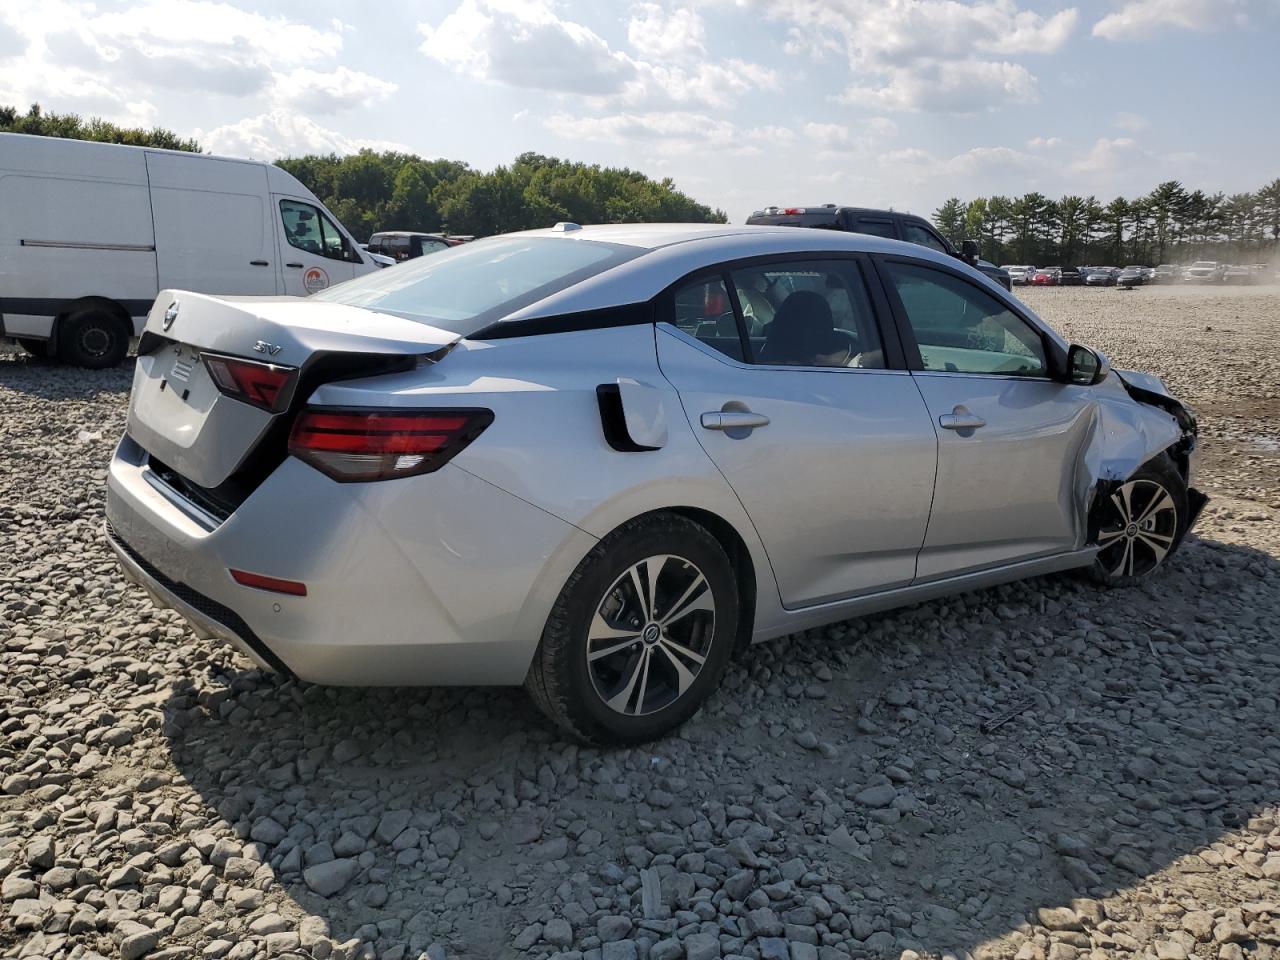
(70, 126)
(949, 219)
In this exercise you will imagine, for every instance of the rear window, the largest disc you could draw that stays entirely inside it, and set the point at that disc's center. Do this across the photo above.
(464, 289)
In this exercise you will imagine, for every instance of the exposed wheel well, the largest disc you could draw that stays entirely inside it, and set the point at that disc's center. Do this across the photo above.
(105, 304)
(740, 558)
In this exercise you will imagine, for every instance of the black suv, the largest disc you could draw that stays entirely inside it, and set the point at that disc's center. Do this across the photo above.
(406, 244)
(879, 223)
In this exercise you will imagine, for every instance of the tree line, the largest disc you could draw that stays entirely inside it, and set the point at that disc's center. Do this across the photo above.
(370, 191)
(1169, 225)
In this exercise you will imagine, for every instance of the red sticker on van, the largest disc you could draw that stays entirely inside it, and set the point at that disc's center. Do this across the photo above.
(314, 280)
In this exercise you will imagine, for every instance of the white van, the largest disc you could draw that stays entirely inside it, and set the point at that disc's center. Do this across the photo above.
(91, 232)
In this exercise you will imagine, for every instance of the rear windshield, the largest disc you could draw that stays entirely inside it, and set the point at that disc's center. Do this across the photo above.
(464, 289)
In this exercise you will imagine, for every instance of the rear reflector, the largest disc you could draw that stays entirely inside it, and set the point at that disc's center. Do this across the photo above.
(275, 585)
(366, 445)
(260, 384)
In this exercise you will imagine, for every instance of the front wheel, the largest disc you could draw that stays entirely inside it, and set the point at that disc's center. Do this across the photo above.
(640, 634)
(93, 338)
(1140, 523)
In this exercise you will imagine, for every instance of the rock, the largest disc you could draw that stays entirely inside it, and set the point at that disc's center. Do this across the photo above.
(326, 879)
(1059, 918)
(267, 831)
(557, 932)
(619, 950)
(877, 797)
(392, 824)
(39, 853)
(613, 927)
(1199, 923)
(701, 946)
(527, 937)
(346, 751)
(17, 888)
(138, 944)
(447, 841)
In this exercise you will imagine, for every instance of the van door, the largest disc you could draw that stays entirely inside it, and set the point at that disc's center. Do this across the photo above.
(212, 228)
(315, 252)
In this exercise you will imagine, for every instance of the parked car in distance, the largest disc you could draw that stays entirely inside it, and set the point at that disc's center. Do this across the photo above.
(91, 232)
(1019, 276)
(1239, 274)
(377, 258)
(1046, 277)
(1167, 273)
(1070, 277)
(1101, 277)
(1133, 276)
(386, 501)
(401, 245)
(892, 224)
(1205, 271)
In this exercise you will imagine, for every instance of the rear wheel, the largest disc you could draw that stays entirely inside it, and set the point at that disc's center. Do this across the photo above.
(93, 338)
(640, 634)
(1140, 523)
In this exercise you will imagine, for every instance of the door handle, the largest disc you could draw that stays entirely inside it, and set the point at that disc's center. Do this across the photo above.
(960, 421)
(259, 263)
(734, 420)
(296, 266)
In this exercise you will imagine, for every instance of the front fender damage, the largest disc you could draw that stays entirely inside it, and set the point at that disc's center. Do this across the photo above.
(1137, 420)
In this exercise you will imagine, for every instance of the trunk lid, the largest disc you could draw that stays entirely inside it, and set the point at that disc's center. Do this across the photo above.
(179, 416)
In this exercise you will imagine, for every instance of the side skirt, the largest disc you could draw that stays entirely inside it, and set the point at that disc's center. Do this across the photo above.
(817, 616)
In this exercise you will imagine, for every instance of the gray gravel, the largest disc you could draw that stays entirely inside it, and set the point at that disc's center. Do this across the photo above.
(161, 798)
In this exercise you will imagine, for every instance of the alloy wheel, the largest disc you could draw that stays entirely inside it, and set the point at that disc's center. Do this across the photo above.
(1138, 529)
(650, 635)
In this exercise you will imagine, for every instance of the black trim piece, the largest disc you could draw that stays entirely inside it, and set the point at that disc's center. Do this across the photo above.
(225, 616)
(52, 306)
(1195, 504)
(894, 355)
(624, 315)
(613, 420)
(739, 317)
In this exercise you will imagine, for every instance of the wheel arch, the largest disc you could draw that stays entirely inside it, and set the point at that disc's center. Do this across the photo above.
(744, 567)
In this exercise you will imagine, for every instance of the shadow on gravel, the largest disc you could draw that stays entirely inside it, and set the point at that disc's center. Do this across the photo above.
(1150, 732)
(48, 380)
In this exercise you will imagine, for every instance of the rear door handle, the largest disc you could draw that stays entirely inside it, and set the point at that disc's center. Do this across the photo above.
(960, 421)
(296, 266)
(734, 420)
(259, 263)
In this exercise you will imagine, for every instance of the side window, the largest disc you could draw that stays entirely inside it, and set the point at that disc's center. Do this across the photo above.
(962, 329)
(703, 310)
(306, 228)
(809, 313)
(877, 228)
(398, 247)
(914, 233)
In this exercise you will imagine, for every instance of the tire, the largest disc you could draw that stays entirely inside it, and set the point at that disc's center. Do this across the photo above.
(1140, 524)
(92, 338)
(651, 675)
(37, 348)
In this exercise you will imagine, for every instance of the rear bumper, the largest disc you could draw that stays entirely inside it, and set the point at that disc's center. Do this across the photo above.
(432, 580)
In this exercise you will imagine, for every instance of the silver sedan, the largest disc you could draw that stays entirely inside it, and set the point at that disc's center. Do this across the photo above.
(598, 461)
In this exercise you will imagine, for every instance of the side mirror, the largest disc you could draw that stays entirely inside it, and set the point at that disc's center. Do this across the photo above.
(1084, 367)
(969, 250)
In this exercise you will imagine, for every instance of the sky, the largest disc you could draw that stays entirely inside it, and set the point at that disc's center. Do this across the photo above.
(743, 103)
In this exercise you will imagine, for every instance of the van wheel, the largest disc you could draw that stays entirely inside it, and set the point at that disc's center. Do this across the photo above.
(640, 635)
(37, 348)
(92, 338)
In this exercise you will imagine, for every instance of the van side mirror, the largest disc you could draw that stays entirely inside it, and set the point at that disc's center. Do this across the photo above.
(1084, 367)
(969, 251)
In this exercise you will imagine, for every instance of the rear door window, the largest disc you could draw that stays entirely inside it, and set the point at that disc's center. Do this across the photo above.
(704, 311)
(914, 233)
(876, 227)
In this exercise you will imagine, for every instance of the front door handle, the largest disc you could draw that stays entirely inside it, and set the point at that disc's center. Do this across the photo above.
(960, 421)
(734, 420)
(296, 266)
(259, 263)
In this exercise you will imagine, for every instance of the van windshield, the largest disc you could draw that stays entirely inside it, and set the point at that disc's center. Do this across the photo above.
(464, 289)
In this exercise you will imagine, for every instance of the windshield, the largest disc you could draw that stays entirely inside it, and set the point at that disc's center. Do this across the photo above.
(464, 289)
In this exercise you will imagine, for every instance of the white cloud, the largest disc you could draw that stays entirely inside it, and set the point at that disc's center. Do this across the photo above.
(1140, 18)
(660, 35)
(936, 55)
(1131, 121)
(330, 91)
(526, 44)
(111, 63)
(279, 133)
(1107, 157)
(672, 132)
(948, 86)
(1044, 143)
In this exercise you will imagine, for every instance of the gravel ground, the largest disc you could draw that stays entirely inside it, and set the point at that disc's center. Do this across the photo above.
(840, 797)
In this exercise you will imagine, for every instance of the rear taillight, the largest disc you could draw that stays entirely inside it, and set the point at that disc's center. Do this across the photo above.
(264, 385)
(364, 445)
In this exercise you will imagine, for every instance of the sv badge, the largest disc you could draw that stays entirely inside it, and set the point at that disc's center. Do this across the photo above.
(270, 349)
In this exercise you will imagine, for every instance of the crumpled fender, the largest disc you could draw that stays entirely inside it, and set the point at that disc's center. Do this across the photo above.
(1137, 419)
